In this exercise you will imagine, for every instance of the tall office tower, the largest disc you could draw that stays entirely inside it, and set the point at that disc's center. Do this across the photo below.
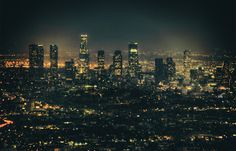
(36, 60)
(117, 64)
(101, 63)
(84, 55)
(226, 73)
(36, 56)
(187, 63)
(101, 59)
(53, 56)
(171, 70)
(134, 66)
(69, 70)
(159, 70)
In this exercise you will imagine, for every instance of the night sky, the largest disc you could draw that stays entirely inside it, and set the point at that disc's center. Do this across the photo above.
(111, 24)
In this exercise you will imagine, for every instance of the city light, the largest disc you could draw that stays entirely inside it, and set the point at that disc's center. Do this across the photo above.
(117, 76)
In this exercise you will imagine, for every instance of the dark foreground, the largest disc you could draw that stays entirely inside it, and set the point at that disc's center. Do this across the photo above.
(131, 121)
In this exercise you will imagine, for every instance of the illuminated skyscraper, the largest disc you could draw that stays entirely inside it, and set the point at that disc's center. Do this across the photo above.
(117, 64)
(53, 56)
(159, 70)
(36, 56)
(187, 63)
(101, 63)
(69, 70)
(223, 75)
(226, 73)
(101, 59)
(36, 60)
(171, 70)
(134, 67)
(84, 55)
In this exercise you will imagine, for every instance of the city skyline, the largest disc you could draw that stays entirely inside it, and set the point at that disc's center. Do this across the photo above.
(132, 56)
(118, 75)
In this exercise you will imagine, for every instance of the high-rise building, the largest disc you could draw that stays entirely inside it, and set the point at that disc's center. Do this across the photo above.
(223, 74)
(117, 64)
(187, 63)
(69, 70)
(226, 73)
(101, 59)
(171, 70)
(36, 61)
(159, 70)
(101, 63)
(36, 56)
(134, 66)
(84, 55)
(53, 56)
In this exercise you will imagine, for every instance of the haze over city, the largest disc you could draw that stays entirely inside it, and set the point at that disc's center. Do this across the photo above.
(155, 24)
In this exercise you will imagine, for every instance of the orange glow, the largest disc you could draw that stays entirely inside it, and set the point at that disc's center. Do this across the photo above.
(7, 122)
(16, 63)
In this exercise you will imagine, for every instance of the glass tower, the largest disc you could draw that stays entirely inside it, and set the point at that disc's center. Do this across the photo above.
(117, 64)
(134, 67)
(53, 56)
(83, 55)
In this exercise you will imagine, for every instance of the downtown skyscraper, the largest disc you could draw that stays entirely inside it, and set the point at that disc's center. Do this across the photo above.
(187, 63)
(83, 56)
(134, 66)
(117, 64)
(53, 62)
(101, 64)
(226, 79)
(69, 70)
(36, 61)
(36, 56)
(101, 59)
(53, 56)
(170, 68)
(159, 70)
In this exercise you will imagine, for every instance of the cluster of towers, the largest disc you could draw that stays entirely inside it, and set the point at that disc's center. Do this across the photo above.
(36, 56)
(82, 71)
(164, 71)
(116, 69)
(36, 59)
